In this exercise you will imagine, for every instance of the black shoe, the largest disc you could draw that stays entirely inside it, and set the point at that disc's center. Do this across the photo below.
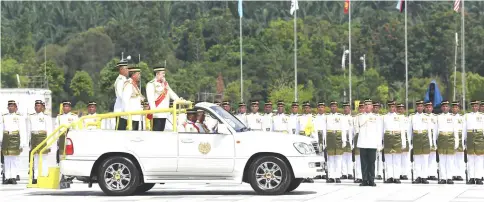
(344, 177)
(379, 177)
(5, 182)
(442, 182)
(324, 177)
(471, 181)
(479, 182)
(350, 177)
(330, 180)
(459, 178)
(364, 184)
(308, 180)
(403, 177)
(17, 178)
(389, 180)
(432, 178)
(417, 181)
(34, 181)
(338, 180)
(450, 182)
(373, 184)
(397, 181)
(454, 177)
(318, 177)
(424, 181)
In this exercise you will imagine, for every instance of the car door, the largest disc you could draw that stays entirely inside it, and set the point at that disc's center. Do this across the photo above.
(156, 150)
(206, 152)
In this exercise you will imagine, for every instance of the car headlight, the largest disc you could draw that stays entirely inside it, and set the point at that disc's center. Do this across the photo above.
(304, 148)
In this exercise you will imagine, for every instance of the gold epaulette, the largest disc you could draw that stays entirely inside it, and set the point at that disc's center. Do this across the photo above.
(152, 81)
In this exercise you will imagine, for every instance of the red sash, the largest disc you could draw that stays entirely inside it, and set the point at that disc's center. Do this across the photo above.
(195, 126)
(162, 95)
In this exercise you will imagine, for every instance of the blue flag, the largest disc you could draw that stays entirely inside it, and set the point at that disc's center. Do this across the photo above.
(241, 12)
(433, 94)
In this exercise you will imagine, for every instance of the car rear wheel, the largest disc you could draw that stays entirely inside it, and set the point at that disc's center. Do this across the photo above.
(144, 188)
(294, 184)
(118, 176)
(269, 175)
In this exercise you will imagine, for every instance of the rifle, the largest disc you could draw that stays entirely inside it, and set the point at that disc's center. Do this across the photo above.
(326, 160)
(437, 158)
(465, 161)
(353, 160)
(411, 158)
(3, 167)
(383, 160)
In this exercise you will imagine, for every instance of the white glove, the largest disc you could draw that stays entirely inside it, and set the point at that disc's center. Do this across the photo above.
(344, 145)
(404, 146)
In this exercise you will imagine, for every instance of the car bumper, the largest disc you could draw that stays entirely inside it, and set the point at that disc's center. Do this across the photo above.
(306, 166)
(76, 167)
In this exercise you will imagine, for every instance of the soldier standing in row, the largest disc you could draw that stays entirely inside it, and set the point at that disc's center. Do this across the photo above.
(358, 169)
(280, 120)
(14, 141)
(459, 168)
(335, 140)
(481, 108)
(320, 126)
(254, 119)
(267, 117)
(91, 123)
(242, 115)
(405, 151)
(393, 142)
(294, 119)
(226, 106)
(447, 143)
(347, 162)
(132, 98)
(39, 126)
(118, 89)
(474, 138)
(379, 161)
(432, 169)
(66, 117)
(306, 124)
(421, 137)
(158, 94)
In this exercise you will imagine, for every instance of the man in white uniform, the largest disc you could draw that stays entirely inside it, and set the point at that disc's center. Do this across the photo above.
(66, 117)
(405, 159)
(335, 140)
(474, 143)
(393, 143)
(347, 170)
(320, 126)
(132, 98)
(280, 120)
(159, 93)
(242, 115)
(118, 90)
(459, 167)
(294, 119)
(447, 142)
(420, 137)
(14, 141)
(190, 125)
(379, 159)
(39, 127)
(432, 169)
(254, 119)
(267, 117)
(358, 169)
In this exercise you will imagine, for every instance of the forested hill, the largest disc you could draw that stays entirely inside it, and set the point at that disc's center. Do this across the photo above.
(200, 43)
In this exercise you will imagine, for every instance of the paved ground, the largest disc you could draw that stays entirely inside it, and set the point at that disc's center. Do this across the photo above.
(318, 191)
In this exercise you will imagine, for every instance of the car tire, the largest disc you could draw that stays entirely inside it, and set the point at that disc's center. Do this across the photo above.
(269, 175)
(144, 188)
(118, 176)
(294, 184)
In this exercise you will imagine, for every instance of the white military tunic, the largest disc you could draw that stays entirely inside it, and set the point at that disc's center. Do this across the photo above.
(370, 129)
(347, 119)
(66, 119)
(446, 123)
(118, 89)
(432, 169)
(294, 124)
(267, 122)
(132, 98)
(14, 122)
(254, 121)
(281, 123)
(420, 123)
(306, 120)
(474, 122)
(243, 118)
(335, 124)
(40, 122)
(89, 123)
(162, 93)
(394, 123)
(189, 127)
(459, 168)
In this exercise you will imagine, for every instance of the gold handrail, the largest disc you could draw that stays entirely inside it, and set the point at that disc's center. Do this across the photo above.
(80, 124)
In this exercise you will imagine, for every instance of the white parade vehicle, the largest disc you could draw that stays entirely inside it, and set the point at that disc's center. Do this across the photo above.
(132, 162)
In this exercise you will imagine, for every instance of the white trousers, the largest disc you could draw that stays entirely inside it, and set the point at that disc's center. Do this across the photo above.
(459, 167)
(432, 169)
(476, 165)
(347, 168)
(378, 164)
(45, 166)
(11, 166)
(358, 167)
(392, 165)
(446, 165)
(334, 169)
(405, 162)
(421, 165)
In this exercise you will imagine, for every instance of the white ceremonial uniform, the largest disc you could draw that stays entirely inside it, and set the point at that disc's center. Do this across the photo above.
(379, 160)
(211, 123)
(189, 127)
(335, 123)
(90, 123)
(66, 119)
(281, 123)
(38, 123)
(474, 122)
(459, 168)
(267, 122)
(304, 120)
(432, 169)
(13, 123)
(132, 100)
(118, 105)
(394, 123)
(421, 123)
(254, 121)
(320, 126)
(202, 127)
(446, 123)
(370, 130)
(356, 131)
(160, 93)
(347, 167)
(243, 118)
(293, 124)
(405, 159)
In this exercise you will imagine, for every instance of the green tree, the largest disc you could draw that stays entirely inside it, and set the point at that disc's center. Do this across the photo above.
(82, 86)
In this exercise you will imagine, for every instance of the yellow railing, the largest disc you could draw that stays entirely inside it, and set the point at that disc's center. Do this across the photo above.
(55, 135)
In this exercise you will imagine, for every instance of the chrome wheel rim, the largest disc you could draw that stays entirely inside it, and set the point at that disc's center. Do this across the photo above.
(268, 175)
(117, 176)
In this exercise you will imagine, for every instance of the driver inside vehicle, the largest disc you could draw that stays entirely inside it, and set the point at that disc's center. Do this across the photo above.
(190, 125)
(201, 122)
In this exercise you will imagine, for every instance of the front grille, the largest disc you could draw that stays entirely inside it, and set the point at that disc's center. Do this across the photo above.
(316, 147)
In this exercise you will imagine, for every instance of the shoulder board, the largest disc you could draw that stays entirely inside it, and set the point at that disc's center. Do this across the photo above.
(32, 114)
(152, 81)
(73, 114)
(5, 114)
(358, 114)
(120, 78)
(411, 114)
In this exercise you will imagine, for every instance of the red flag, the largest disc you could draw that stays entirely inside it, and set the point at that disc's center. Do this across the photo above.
(456, 5)
(347, 6)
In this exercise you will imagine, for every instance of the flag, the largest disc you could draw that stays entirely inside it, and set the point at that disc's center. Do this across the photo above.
(456, 5)
(294, 6)
(347, 6)
(401, 5)
(241, 12)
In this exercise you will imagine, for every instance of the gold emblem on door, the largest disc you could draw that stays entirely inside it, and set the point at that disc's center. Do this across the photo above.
(204, 147)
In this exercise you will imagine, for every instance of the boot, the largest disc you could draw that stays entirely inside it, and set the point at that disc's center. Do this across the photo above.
(417, 181)
(350, 177)
(442, 182)
(450, 182)
(364, 184)
(459, 178)
(373, 184)
(397, 181)
(330, 180)
(13, 181)
(479, 182)
(338, 180)
(432, 178)
(424, 181)
(471, 181)
(344, 177)
(454, 177)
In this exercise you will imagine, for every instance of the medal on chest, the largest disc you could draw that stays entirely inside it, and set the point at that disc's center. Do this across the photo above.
(424, 120)
(284, 120)
(336, 120)
(395, 118)
(41, 119)
(15, 119)
(479, 119)
(449, 120)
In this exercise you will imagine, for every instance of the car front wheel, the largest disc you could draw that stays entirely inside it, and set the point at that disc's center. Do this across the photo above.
(118, 176)
(144, 188)
(294, 184)
(270, 175)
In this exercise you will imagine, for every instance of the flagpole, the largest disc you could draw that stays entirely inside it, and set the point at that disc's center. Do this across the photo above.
(241, 71)
(295, 56)
(455, 63)
(349, 59)
(463, 59)
(406, 61)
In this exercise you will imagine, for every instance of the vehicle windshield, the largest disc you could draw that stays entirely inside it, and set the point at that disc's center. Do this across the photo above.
(231, 119)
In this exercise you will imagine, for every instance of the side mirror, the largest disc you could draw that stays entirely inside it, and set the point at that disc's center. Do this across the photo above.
(222, 129)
